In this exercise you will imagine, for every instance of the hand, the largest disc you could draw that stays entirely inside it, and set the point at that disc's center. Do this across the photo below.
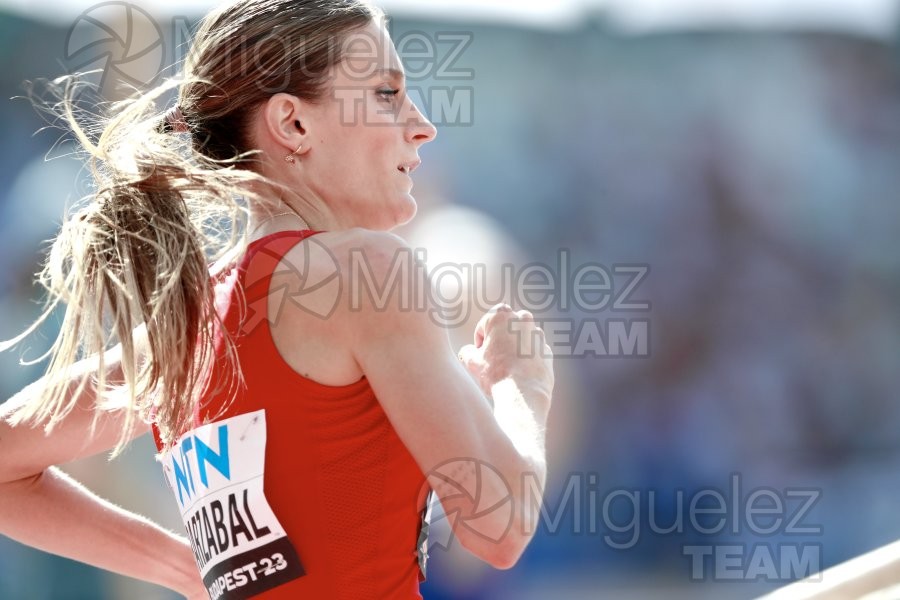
(509, 345)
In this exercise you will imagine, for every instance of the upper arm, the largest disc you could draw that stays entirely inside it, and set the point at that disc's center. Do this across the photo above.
(435, 406)
(403, 350)
(27, 449)
(387, 326)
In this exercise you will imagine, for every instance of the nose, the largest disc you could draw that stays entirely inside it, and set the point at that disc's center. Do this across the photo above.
(419, 129)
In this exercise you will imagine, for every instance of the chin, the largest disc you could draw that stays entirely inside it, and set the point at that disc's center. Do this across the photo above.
(404, 212)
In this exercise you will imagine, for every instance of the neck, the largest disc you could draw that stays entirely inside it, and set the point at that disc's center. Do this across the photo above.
(283, 210)
(263, 223)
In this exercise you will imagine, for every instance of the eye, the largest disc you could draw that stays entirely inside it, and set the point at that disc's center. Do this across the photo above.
(389, 94)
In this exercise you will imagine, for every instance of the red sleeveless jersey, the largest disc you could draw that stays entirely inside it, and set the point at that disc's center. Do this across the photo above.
(296, 489)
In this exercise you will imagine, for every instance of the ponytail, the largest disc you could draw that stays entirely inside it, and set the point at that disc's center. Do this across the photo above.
(132, 266)
(170, 196)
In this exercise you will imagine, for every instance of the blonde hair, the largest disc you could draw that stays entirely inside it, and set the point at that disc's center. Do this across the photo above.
(136, 253)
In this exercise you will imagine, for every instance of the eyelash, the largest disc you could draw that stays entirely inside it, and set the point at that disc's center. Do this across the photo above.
(390, 94)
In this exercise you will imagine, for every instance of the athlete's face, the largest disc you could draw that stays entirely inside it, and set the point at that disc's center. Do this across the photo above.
(367, 137)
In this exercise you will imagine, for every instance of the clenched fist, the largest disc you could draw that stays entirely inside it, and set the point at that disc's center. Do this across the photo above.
(509, 345)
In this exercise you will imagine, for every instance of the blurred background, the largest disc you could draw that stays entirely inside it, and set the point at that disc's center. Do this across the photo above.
(746, 152)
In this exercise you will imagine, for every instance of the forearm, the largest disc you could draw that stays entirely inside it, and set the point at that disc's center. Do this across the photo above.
(521, 412)
(522, 415)
(54, 513)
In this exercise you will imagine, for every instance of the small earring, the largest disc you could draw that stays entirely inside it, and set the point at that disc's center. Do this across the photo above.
(290, 157)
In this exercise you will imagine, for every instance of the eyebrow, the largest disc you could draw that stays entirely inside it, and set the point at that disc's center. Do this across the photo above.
(393, 73)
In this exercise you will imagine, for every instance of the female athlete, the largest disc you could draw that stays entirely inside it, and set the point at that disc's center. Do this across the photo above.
(231, 286)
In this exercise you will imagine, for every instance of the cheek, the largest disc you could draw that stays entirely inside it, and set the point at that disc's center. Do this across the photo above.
(349, 165)
(374, 162)
(358, 163)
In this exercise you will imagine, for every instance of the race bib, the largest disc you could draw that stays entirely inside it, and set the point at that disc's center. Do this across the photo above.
(216, 474)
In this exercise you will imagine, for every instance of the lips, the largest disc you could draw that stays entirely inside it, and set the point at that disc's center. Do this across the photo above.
(409, 167)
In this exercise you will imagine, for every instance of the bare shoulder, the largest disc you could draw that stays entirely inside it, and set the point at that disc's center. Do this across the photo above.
(383, 276)
(336, 291)
(352, 245)
(358, 270)
(367, 284)
(342, 248)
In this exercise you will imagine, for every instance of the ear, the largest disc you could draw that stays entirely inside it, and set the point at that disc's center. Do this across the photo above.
(282, 120)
